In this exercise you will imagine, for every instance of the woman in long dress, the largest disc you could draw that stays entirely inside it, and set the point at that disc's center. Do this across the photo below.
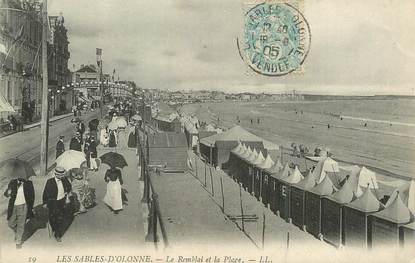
(132, 141)
(78, 181)
(104, 137)
(113, 196)
(112, 139)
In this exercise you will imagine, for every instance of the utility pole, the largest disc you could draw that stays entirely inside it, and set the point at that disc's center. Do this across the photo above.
(44, 124)
(101, 88)
(101, 83)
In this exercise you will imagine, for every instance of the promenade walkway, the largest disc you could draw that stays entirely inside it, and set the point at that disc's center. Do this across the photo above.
(99, 227)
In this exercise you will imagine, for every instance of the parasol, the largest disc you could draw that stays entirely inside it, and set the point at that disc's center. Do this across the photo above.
(121, 122)
(114, 159)
(136, 117)
(93, 124)
(15, 169)
(112, 125)
(71, 159)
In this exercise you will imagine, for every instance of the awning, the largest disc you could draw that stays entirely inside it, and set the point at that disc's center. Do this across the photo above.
(5, 105)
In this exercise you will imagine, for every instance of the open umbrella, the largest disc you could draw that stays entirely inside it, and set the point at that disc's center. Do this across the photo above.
(136, 117)
(114, 159)
(121, 122)
(113, 125)
(71, 159)
(93, 124)
(15, 169)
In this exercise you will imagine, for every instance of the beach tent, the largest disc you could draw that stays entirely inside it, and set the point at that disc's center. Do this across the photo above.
(297, 199)
(250, 160)
(276, 193)
(313, 205)
(245, 166)
(228, 140)
(252, 157)
(356, 223)
(190, 131)
(233, 160)
(258, 175)
(367, 178)
(411, 197)
(385, 224)
(210, 128)
(332, 212)
(265, 189)
(205, 151)
(267, 163)
(168, 150)
(222, 150)
(408, 232)
(270, 175)
(293, 177)
(325, 166)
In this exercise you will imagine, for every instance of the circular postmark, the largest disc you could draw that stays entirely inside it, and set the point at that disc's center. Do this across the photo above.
(277, 39)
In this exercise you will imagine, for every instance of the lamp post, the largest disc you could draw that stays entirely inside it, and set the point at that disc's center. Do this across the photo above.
(44, 124)
(101, 86)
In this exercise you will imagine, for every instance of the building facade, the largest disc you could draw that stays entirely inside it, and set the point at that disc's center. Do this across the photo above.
(20, 58)
(59, 77)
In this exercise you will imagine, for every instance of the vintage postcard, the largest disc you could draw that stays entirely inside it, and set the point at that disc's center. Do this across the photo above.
(207, 131)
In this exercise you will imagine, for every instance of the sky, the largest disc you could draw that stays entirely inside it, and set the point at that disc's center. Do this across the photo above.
(357, 47)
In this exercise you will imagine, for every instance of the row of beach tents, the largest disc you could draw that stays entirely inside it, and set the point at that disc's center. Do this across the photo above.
(340, 205)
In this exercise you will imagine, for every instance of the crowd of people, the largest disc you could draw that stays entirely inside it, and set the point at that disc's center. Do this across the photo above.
(68, 188)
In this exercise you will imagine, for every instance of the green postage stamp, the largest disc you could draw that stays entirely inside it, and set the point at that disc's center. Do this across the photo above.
(276, 38)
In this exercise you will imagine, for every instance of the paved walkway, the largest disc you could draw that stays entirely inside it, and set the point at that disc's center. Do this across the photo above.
(192, 213)
(99, 227)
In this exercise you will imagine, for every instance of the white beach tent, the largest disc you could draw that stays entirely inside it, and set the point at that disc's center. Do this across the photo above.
(276, 168)
(210, 127)
(411, 197)
(323, 166)
(252, 157)
(407, 194)
(237, 149)
(295, 177)
(241, 151)
(367, 177)
(268, 163)
(363, 176)
(286, 172)
(260, 159)
(245, 155)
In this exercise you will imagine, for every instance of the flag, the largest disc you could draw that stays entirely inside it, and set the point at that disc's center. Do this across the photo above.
(99, 53)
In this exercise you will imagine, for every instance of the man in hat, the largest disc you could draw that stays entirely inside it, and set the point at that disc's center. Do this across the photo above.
(57, 191)
(22, 196)
(94, 153)
(80, 127)
(87, 144)
(60, 146)
(75, 143)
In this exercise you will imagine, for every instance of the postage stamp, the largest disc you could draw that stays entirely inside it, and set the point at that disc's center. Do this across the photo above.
(276, 39)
